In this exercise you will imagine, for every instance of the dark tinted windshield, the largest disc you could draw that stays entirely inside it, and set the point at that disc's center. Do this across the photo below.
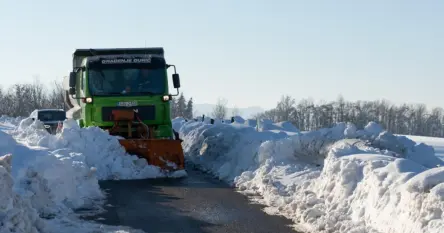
(127, 81)
(51, 116)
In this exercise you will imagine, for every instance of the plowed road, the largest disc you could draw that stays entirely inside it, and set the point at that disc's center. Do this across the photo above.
(197, 203)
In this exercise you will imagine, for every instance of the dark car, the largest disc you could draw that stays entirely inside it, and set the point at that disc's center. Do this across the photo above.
(51, 118)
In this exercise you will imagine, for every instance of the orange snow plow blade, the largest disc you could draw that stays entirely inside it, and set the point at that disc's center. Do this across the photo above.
(158, 152)
(164, 153)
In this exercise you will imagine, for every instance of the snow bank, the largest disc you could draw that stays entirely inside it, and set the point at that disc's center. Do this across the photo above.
(239, 119)
(41, 188)
(48, 186)
(437, 143)
(91, 146)
(217, 147)
(16, 213)
(268, 125)
(10, 120)
(337, 179)
(251, 123)
(177, 123)
(285, 126)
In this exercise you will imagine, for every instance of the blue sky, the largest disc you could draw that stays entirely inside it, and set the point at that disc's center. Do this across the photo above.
(249, 52)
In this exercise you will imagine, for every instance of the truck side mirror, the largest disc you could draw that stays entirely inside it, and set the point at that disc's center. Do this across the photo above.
(72, 90)
(176, 81)
(72, 79)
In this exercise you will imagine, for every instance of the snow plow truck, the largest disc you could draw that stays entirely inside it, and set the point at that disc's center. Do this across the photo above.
(125, 91)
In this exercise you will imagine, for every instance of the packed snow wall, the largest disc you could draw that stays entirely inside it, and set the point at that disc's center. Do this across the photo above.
(337, 179)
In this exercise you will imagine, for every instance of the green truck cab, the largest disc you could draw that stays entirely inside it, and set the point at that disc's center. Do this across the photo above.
(104, 80)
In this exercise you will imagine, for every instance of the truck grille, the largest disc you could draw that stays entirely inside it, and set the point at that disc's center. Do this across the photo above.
(144, 112)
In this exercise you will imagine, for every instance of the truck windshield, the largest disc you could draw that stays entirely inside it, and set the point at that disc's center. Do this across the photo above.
(127, 81)
(51, 116)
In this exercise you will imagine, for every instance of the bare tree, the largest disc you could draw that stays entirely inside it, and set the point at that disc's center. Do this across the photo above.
(220, 110)
(285, 107)
(269, 114)
(22, 99)
(400, 119)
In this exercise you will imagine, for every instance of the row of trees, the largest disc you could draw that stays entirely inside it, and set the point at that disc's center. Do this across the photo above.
(180, 107)
(414, 119)
(22, 99)
(220, 110)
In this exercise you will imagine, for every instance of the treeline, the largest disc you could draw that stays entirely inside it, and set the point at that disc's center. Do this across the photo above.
(181, 107)
(22, 99)
(413, 119)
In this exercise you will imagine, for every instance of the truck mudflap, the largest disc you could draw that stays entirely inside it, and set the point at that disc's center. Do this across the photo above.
(164, 153)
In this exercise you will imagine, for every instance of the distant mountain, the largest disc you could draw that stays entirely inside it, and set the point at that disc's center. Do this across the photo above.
(207, 109)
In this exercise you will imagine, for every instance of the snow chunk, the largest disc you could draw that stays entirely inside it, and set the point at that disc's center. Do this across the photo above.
(373, 128)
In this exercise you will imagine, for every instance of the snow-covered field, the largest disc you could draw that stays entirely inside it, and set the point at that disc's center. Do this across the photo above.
(44, 178)
(336, 179)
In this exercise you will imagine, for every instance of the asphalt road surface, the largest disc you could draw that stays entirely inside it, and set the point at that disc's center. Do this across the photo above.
(197, 203)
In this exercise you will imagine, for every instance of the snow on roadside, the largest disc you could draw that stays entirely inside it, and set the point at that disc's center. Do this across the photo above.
(10, 121)
(91, 146)
(177, 123)
(54, 175)
(211, 147)
(19, 213)
(42, 187)
(337, 179)
(16, 213)
(437, 143)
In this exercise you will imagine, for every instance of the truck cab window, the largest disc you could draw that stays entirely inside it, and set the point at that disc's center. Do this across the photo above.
(128, 81)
